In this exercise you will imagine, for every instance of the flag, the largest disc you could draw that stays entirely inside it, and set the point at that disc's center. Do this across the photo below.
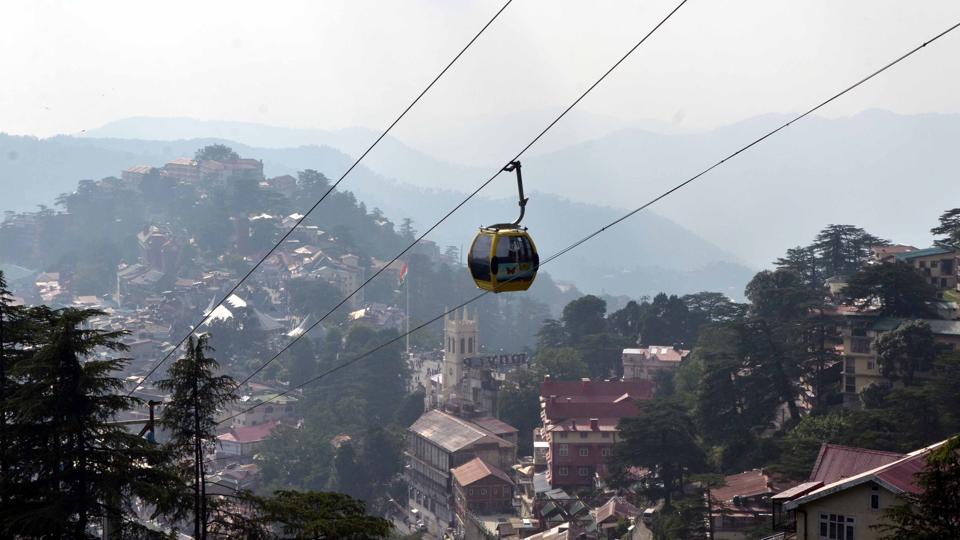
(403, 273)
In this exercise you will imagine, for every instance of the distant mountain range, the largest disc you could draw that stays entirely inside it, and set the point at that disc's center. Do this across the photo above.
(642, 257)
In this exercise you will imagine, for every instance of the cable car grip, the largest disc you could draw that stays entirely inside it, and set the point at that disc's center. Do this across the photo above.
(515, 166)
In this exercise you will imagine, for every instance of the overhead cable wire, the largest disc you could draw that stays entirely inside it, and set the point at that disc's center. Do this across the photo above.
(470, 196)
(356, 162)
(620, 219)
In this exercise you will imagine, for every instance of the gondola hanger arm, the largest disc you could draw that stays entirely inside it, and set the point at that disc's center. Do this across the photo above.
(515, 166)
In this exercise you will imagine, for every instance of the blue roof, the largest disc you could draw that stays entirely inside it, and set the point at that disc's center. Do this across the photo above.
(928, 252)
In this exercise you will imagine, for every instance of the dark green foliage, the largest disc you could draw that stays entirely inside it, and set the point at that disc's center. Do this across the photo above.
(906, 350)
(934, 513)
(949, 227)
(897, 287)
(661, 438)
(70, 466)
(584, 316)
(685, 518)
(842, 249)
(314, 515)
(216, 152)
(197, 395)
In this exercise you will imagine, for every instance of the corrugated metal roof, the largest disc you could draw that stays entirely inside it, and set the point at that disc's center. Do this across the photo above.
(452, 433)
(835, 462)
(477, 469)
(746, 484)
(928, 252)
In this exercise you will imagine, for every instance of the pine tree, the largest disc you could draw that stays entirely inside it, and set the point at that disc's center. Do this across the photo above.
(197, 395)
(73, 466)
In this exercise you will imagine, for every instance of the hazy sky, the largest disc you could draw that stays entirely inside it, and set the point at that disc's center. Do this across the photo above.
(69, 66)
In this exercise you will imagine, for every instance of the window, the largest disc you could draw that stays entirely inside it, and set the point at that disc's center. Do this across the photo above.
(584, 434)
(563, 450)
(605, 434)
(479, 258)
(268, 409)
(584, 471)
(584, 452)
(849, 365)
(563, 434)
(923, 264)
(874, 501)
(871, 365)
(946, 267)
(470, 345)
(943, 282)
(483, 491)
(495, 491)
(860, 346)
(604, 452)
(564, 470)
(850, 384)
(463, 346)
(470, 492)
(836, 527)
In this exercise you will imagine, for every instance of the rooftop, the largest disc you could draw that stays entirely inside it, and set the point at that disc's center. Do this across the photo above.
(836, 462)
(452, 433)
(928, 252)
(746, 484)
(897, 477)
(477, 469)
(662, 353)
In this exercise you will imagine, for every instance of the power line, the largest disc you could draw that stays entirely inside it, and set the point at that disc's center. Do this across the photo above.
(612, 223)
(470, 196)
(330, 190)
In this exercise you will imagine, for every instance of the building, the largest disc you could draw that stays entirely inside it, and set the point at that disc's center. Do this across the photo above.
(616, 510)
(276, 408)
(742, 503)
(136, 174)
(834, 464)
(851, 507)
(937, 264)
(243, 441)
(860, 366)
(580, 421)
(461, 336)
(646, 362)
(158, 249)
(183, 169)
(889, 252)
(482, 489)
(438, 442)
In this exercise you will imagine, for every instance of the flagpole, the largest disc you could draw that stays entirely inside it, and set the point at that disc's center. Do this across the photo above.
(406, 282)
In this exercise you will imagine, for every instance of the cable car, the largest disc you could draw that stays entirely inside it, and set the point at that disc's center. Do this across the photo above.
(503, 257)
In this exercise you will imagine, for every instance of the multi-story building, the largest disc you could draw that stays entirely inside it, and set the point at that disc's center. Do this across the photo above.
(482, 489)
(580, 421)
(937, 264)
(645, 362)
(438, 442)
(861, 368)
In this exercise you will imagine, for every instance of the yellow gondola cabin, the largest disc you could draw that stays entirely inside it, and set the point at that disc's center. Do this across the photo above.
(503, 259)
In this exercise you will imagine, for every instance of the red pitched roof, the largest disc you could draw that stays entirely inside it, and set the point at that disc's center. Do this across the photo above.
(477, 469)
(746, 484)
(249, 434)
(897, 477)
(836, 462)
(617, 507)
(593, 399)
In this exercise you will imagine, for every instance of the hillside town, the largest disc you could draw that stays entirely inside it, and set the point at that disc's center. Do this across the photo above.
(464, 475)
